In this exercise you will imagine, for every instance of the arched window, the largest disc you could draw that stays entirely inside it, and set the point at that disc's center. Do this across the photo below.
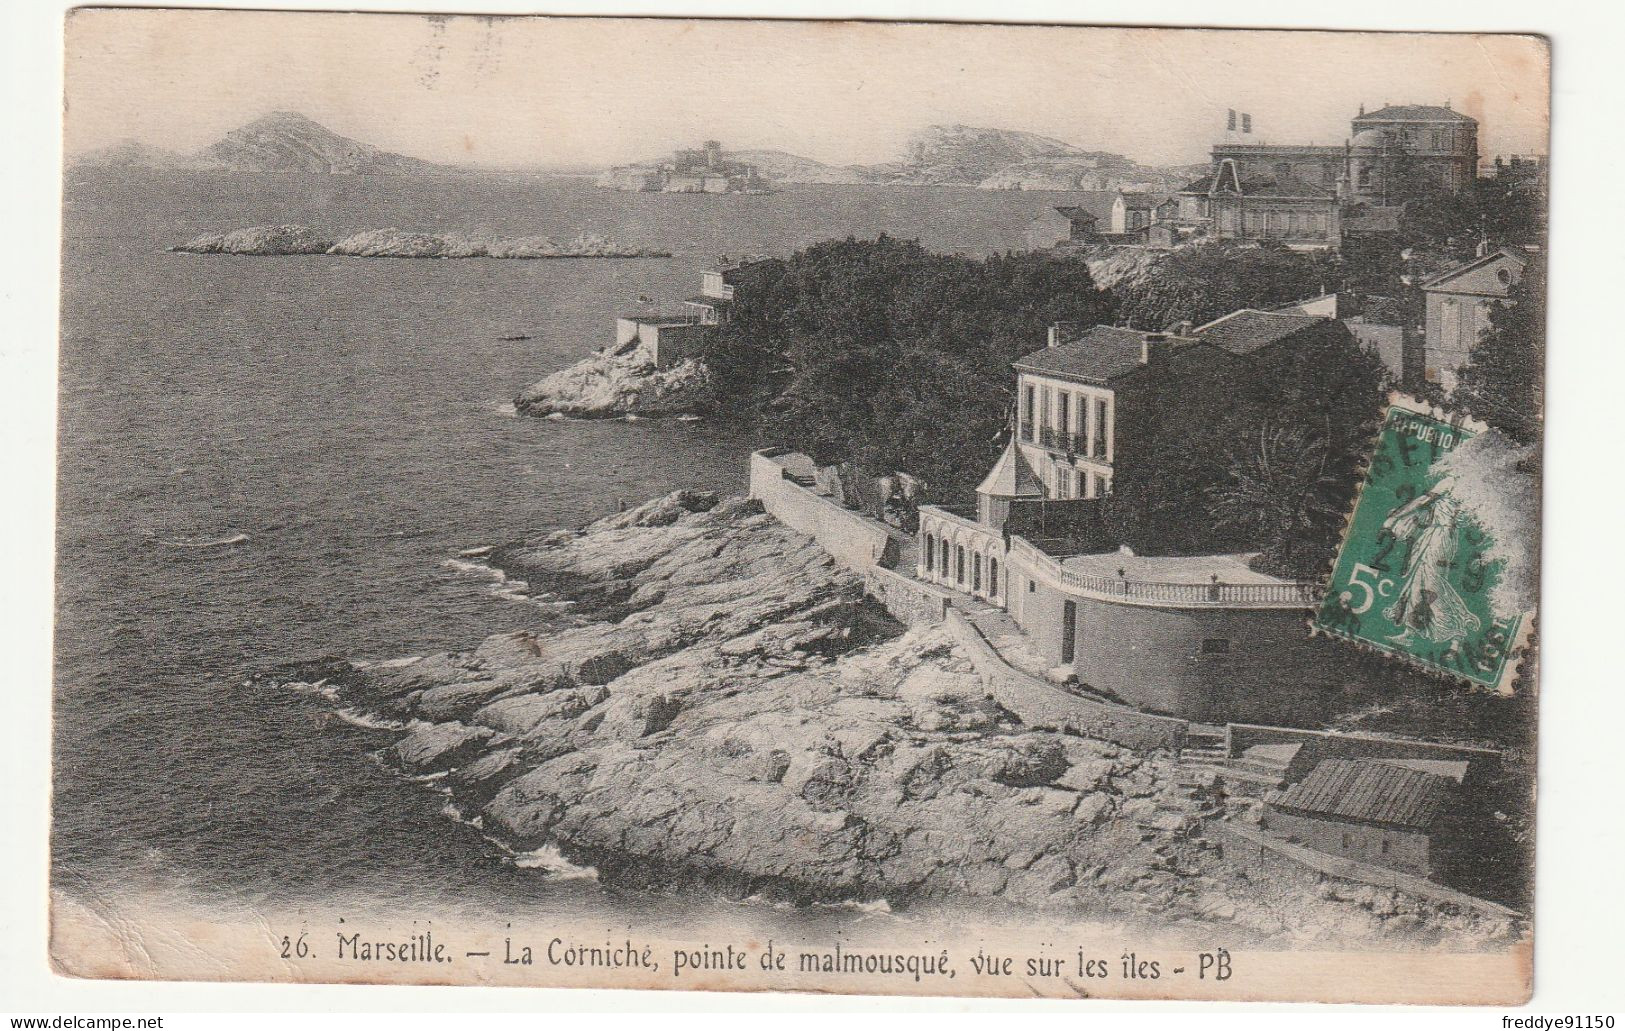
(992, 577)
(930, 552)
(959, 563)
(944, 550)
(976, 572)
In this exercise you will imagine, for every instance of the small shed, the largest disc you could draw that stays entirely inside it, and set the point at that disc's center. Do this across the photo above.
(1393, 813)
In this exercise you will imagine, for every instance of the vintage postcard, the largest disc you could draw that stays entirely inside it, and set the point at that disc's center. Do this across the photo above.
(874, 508)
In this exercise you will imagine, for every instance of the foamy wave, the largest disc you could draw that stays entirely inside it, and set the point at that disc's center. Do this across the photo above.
(473, 568)
(551, 861)
(236, 538)
(852, 906)
(320, 687)
(455, 812)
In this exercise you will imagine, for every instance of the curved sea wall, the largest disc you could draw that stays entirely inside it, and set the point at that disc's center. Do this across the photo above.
(396, 243)
(723, 707)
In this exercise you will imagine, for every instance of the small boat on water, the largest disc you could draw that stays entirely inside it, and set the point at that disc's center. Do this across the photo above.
(515, 336)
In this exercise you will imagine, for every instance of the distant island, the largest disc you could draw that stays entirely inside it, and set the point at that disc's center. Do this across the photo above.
(706, 170)
(941, 155)
(279, 240)
(282, 141)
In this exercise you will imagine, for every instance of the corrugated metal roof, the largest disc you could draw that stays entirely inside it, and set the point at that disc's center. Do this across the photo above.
(1369, 791)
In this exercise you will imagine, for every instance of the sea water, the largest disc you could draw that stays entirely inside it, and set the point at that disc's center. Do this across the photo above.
(268, 459)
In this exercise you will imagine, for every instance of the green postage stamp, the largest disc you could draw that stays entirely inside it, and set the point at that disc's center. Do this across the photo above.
(1424, 572)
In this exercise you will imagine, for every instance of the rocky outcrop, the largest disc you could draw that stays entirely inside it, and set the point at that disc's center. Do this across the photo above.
(615, 382)
(396, 243)
(283, 239)
(726, 709)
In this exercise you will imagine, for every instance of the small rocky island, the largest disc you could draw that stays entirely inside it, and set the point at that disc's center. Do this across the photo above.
(616, 382)
(277, 240)
(721, 706)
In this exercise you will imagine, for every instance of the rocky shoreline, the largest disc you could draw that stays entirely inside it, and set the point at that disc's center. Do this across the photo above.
(719, 706)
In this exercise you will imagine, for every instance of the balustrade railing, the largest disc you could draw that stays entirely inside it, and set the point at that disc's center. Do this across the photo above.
(1151, 591)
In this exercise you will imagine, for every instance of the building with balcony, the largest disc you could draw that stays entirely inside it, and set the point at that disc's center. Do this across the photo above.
(711, 305)
(1197, 636)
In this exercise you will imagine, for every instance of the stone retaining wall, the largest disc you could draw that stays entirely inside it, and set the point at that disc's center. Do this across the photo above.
(909, 600)
(853, 539)
(1041, 704)
(1251, 847)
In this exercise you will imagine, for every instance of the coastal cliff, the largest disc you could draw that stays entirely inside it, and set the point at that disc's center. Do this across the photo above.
(614, 382)
(719, 705)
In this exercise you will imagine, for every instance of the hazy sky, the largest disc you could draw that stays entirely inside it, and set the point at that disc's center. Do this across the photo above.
(511, 91)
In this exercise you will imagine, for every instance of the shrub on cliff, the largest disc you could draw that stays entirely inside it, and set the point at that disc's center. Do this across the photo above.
(881, 353)
(1203, 282)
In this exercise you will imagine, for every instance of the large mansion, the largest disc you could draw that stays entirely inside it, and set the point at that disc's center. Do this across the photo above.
(1068, 392)
(1305, 196)
(1202, 636)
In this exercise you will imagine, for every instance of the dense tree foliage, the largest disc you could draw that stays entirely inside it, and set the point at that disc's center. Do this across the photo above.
(1201, 283)
(880, 353)
(1451, 225)
(1261, 453)
(1504, 384)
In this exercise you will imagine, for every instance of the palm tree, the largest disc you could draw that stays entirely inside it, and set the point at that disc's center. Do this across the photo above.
(1282, 494)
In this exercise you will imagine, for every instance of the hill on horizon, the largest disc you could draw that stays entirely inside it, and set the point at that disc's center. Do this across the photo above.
(282, 141)
(966, 155)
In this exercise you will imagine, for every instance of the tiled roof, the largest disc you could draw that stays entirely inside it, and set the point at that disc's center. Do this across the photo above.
(1201, 185)
(1416, 112)
(1286, 186)
(1143, 200)
(1489, 259)
(1371, 792)
(1098, 355)
(1075, 212)
(1244, 332)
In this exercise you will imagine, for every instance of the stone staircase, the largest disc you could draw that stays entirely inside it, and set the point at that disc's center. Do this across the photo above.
(1269, 761)
(1258, 769)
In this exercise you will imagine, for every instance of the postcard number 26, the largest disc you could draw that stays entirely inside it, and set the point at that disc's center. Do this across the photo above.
(1370, 588)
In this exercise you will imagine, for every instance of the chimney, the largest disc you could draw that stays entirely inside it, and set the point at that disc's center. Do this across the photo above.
(1062, 332)
(1153, 346)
